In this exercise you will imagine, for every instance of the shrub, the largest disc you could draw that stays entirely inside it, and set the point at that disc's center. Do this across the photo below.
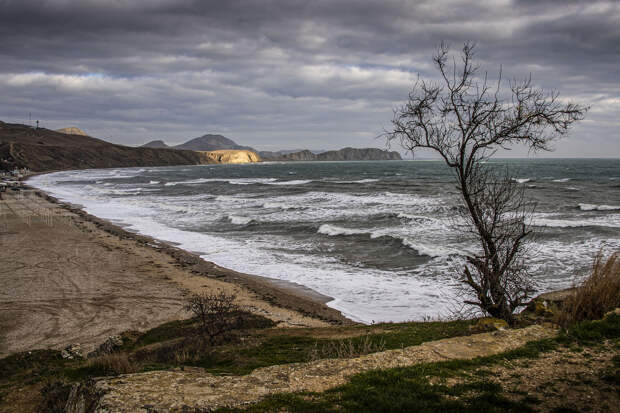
(598, 294)
(216, 313)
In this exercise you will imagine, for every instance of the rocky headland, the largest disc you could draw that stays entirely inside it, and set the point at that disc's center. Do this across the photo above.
(345, 154)
(232, 156)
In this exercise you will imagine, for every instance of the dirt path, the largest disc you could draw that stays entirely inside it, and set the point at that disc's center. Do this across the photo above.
(174, 390)
(65, 280)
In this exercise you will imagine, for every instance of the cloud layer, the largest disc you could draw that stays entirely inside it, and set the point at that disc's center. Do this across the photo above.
(289, 74)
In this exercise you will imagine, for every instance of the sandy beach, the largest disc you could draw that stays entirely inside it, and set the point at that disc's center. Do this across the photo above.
(69, 277)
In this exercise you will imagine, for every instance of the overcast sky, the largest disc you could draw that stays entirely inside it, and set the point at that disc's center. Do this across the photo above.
(290, 74)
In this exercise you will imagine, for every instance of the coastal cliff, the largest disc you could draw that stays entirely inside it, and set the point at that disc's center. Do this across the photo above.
(232, 156)
(72, 130)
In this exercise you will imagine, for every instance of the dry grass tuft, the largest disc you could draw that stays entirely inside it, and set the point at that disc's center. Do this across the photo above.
(115, 363)
(597, 294)
(347, 348)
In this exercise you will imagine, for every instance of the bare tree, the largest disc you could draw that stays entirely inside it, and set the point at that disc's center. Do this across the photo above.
(466, 119)
(217, 314)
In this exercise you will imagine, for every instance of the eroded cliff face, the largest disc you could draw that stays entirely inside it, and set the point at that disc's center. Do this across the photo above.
(72, 130)
(232, 156)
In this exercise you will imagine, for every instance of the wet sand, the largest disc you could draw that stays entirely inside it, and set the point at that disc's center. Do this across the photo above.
(68, 277)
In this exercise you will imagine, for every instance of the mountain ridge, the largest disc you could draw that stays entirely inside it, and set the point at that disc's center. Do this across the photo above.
(212, 142)
(344, 154)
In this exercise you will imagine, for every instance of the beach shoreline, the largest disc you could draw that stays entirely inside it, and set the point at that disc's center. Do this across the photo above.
(114, 280)
(259, 284)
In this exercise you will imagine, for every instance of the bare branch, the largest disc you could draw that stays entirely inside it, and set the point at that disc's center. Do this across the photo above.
(465, 121)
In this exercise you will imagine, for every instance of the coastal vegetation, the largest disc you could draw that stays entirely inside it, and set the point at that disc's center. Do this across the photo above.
(498, 383)
(596, 295)
(466, 120)
(483, 384)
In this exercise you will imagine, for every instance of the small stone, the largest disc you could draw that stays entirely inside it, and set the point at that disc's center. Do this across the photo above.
(610, 313)
(108, 346)
(490, 323)
(72, 351)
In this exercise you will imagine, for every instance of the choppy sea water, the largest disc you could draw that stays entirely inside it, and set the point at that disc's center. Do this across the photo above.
(376, 236)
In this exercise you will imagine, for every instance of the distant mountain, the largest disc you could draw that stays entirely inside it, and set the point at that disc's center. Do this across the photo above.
(211, 143)
(345, 154)
(72, 130)
(155, 144)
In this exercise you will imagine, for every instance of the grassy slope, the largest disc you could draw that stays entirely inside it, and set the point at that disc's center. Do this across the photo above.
(426, 388)
(24, 376)
(256, 345)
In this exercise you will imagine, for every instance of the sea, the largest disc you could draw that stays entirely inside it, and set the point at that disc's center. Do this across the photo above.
(379, 238)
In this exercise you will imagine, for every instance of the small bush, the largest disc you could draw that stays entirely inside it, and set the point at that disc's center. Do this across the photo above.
(597, 294)
(216, 313)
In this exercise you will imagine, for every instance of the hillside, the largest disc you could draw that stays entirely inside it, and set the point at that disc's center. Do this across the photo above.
(46, 150)
(345, 154)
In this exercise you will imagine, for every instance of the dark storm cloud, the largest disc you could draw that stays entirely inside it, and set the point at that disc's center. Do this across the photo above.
(280, 74)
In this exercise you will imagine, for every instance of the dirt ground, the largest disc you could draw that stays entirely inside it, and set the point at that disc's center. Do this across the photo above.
(566, 378)
(67, 277)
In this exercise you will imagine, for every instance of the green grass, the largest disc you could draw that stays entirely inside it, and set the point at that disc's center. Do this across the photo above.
(167, 331)
(284, 346)
(409, 389)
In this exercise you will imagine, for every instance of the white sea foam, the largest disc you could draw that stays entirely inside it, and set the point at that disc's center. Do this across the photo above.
(521, 180)
(594, 207)
(153, 182)
(423, 249)
(279, 205)
(293, 182)
(359, 181)
(239, 220)
(239, 181)
(333, 230)
(562, 180)
(249, 181)
(612, 221)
